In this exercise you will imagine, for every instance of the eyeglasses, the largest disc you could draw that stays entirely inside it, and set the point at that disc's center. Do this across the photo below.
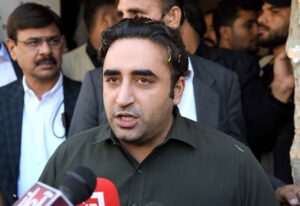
(35, 43)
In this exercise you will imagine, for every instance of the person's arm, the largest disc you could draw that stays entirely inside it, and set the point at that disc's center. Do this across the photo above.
(85, 114)
(265, 110)
(254, 186)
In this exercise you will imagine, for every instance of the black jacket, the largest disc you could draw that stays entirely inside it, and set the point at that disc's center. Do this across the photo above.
(262, 112)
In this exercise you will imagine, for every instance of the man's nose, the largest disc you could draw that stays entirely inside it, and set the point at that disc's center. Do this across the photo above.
(45, 48)
(126, 95)
(261, 19)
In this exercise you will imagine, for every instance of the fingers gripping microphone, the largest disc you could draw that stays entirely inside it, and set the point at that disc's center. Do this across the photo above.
(76, 186)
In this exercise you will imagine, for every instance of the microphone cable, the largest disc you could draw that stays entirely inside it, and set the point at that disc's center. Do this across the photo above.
(63, 119)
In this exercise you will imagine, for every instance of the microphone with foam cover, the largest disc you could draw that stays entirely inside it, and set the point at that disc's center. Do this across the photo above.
(78, 184)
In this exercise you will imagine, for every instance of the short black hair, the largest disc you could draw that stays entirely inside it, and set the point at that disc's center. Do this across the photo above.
(279, 3)
(31, 15)
(145, 28)
(227, 11)
(210, 11)
(194, 15)
(90, 8)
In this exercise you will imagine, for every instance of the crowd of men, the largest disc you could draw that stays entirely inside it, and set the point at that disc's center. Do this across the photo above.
(171, 105)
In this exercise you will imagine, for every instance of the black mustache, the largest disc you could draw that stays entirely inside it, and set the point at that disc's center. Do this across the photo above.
(46, 59)
(130, 110)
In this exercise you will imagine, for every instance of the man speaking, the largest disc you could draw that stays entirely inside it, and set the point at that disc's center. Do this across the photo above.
(148, 150)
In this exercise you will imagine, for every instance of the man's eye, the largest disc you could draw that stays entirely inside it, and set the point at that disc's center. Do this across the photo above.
(111, 80)
(274, 11)
(120, 14)
(54, 41)
(33, 42)
(144, 81)
(248, 25)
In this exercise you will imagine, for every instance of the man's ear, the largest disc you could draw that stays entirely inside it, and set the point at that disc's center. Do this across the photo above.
(172, 18)
(11, 45)
(109, 18)
(100, 18)
(178, 90)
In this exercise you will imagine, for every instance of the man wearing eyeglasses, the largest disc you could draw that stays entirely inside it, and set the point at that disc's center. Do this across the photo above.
(34, 111)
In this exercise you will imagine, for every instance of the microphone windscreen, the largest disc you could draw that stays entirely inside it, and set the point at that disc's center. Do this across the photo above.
(78, 184)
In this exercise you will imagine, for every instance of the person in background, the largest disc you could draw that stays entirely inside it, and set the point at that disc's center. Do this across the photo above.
(98, 15)
(235, 23)
(273, 31)
(269, 120)
(210, 38)
(35, 110)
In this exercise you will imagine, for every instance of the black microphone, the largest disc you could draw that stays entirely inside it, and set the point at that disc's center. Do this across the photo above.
(76, 186)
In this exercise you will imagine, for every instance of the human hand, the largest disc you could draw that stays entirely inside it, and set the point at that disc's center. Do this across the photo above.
(283, 83)
(288, 194)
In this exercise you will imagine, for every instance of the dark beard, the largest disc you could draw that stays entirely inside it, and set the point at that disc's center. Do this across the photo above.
(273, 41)
(276, 38)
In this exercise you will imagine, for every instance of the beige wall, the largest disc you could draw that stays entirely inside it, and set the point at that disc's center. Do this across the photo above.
(7, 6)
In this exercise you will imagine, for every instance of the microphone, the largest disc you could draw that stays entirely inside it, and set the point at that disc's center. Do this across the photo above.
(76, 186)
(105, 194)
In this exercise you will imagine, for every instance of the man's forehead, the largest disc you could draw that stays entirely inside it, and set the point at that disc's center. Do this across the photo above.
(138, 4)
(134, 49)
(46, 31)
(279, 3)
(248, 14)
(268, 6)
(127, 42)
